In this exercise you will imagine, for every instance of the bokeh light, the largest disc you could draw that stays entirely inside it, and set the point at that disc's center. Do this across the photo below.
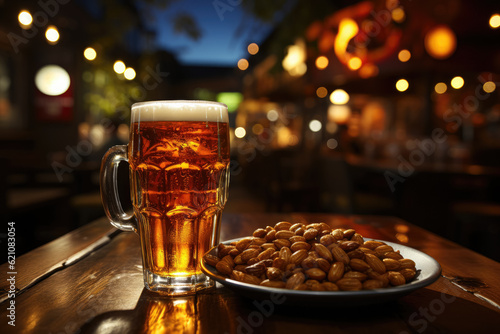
(315, 125)
(457, 82)
(240, 132)
(332, 143)
(257, 128)
(52, 34)
(129, 73)
(339, 96)
(402, 85)
(90, 53)
(440, 88)
(242, 64)
(25, 18)
(52, 80)
(339, 113)
(495, 21)
(489, 86)
(404, 55)
(354, 63)
(321, 62)
(272, 115)
(119, 67)
(440, 42)
(398, 15)
(253, 48)
(321, 92)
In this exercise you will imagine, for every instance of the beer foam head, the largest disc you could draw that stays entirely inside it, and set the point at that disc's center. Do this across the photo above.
(179, 110)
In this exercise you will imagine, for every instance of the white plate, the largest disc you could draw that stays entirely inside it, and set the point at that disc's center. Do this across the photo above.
(428, 271)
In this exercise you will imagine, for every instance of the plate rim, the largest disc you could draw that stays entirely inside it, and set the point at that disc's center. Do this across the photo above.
(386, 292)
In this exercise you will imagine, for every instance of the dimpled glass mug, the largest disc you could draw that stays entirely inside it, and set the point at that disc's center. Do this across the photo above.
(179, 176)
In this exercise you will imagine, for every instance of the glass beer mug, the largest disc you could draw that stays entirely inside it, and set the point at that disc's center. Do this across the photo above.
(179, 173)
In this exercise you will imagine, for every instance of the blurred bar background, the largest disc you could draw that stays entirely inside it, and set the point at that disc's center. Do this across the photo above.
(379, 107)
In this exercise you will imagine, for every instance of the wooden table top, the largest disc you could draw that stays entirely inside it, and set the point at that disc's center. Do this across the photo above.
(90, 281)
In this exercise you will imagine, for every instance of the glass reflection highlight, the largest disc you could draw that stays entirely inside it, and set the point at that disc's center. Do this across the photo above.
(171, 316)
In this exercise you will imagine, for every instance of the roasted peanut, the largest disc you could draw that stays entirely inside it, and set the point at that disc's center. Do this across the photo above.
(259, 233)
(310, 233)
(274, 274)
(336, 272)
(349, 284)
(359, 265)
(300, 245)
(282, 243)
(243, 244)
(396, 278)
(340, 255)
(284, 234)
(323, 252)
(211, 259)
(349, 233)
(282, 226)
(298, 256)
(271, 235)
(295, 280)
(391, 264)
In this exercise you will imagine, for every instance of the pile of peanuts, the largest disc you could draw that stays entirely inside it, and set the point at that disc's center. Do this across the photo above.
(312, 257)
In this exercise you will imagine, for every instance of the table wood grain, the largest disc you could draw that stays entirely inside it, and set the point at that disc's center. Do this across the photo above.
(98, 288)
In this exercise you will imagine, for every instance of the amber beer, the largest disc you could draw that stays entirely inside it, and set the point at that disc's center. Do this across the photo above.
(179, 172)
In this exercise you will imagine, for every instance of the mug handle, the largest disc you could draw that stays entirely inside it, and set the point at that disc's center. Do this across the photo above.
(109, 189)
